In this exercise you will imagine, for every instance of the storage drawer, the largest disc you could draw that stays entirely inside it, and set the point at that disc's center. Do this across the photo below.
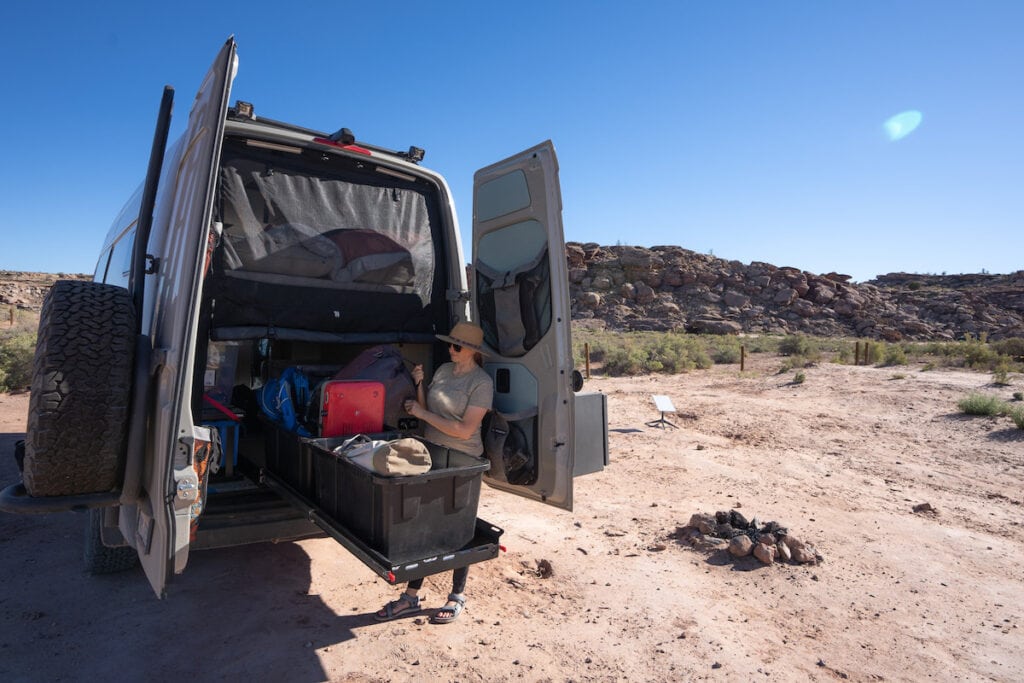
(287, 459)
(403, 518)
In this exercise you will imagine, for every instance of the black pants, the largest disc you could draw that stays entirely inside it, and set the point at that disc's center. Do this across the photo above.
(458, 581)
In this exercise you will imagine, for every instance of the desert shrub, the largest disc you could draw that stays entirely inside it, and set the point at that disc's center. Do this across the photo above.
(678, 353)
(633, 353)
(893, 355)
(799, 378)
(1018, 396)
(1017, 415)
(1001, 374)
(913, 285)
(726, 356)
(623, 361)
(844, 354)
(978, 355)
(874, 352)
(971, 353)
(16, 352)
(982, 404)
(1013, 347)
(797, 345)
(725, 351)
(761, 345)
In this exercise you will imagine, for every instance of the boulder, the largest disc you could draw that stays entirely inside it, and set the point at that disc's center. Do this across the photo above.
(736, 300)
(703, 522)
(741, 546)
(785, 296)
(765, 553)
(714, 325)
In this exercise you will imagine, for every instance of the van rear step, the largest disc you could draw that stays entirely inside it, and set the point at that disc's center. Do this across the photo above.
(482, 547)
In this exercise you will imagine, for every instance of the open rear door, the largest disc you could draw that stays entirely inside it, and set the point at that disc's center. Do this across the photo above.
(185, 202)
(521, 300)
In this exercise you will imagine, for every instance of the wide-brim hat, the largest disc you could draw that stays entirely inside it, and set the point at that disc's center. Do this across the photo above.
(467, 335)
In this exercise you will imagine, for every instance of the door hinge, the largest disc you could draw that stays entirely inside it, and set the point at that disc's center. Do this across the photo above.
(457, 295)
(152, 264)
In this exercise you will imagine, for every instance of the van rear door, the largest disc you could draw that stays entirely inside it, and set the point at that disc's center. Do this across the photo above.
(521, 300)
(178, 242)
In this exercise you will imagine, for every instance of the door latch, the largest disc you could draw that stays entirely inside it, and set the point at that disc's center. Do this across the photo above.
(188, 489)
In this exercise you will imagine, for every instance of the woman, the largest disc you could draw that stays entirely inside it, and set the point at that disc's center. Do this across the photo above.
(452, 408)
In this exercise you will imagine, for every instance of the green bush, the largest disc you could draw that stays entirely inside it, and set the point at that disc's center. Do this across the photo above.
(1018, 396)
(894, 355)
(1014, 347)
(978, 355)
(16, 352)
(635, 353)
(982, 404)
(799, 378)
(1017, 415)
(797, 345)
(874, 352)
(725, 351)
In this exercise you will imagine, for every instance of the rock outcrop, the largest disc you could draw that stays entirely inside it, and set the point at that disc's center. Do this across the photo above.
(670, 288)
(27, 290)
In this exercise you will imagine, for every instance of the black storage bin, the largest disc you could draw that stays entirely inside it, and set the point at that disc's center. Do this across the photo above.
(403, 518)
(287, 459)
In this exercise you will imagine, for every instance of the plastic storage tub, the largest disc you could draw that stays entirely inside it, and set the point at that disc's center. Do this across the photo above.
(286, 459)
(403, 518)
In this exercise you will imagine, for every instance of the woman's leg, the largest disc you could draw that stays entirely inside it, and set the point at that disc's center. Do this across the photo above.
(453, 608)
(459, 577)
(408, 601)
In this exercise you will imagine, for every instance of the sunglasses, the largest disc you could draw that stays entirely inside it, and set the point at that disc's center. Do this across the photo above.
(457, 347)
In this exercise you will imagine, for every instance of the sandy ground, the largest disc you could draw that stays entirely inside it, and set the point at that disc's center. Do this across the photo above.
(840, 459)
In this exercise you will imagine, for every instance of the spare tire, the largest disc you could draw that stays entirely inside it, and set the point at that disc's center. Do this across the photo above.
(81, 390)
(100, 559)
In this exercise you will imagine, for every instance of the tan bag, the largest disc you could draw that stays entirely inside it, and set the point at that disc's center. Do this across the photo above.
(401, 457)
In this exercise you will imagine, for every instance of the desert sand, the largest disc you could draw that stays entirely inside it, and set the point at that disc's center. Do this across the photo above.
(841, 460)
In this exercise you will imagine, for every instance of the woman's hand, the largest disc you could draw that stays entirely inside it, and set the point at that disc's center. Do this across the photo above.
(417, 374)
(411, 406)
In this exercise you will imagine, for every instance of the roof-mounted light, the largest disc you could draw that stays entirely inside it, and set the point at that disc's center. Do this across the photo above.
(244, 110)
(415, 154)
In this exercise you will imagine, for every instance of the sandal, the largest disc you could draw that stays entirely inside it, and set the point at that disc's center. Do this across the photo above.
(452, 612)
(403, 606)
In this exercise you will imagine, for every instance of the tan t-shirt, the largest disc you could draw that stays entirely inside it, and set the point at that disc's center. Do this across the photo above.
(449, 396)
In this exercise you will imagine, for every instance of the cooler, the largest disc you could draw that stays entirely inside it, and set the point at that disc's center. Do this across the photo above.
(351, 407)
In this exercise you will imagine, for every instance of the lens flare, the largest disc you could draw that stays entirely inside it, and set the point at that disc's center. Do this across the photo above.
(902, 125)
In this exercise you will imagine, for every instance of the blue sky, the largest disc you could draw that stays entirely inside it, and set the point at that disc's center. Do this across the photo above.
(750, 130)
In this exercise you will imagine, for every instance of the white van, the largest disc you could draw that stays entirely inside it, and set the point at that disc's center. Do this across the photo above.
(255, 246)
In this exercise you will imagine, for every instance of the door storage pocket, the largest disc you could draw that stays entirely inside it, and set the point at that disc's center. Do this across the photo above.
(510, 444)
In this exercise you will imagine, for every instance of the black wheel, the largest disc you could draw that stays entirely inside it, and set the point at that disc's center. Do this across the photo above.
(99, 559)
(81, 390)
